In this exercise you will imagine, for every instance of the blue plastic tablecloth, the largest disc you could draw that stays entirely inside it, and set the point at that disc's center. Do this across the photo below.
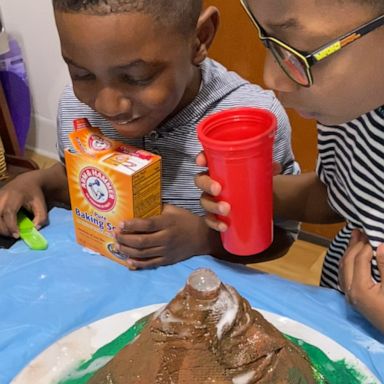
(46, 295)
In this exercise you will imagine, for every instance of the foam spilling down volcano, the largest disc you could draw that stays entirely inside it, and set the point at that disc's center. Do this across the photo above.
(207, 334)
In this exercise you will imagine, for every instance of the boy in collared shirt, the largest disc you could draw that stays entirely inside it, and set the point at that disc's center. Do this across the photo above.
(140, 72)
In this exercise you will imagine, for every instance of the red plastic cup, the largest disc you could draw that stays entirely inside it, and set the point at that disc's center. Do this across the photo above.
(238, 147)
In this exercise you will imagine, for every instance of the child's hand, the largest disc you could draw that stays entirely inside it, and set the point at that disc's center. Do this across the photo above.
(211, 189)
(23, 191)
(175, 235)
(356, 280)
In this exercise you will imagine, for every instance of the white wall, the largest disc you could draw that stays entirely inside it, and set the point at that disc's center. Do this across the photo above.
(32, 23)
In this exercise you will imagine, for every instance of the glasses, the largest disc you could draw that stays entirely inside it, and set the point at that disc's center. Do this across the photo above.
(297, 64)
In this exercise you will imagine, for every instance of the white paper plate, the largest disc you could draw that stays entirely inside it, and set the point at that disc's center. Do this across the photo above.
(56, 361)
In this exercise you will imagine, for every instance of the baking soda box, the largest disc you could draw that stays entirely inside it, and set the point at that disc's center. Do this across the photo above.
(109, 182)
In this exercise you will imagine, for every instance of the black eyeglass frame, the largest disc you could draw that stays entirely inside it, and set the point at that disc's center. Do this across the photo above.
(309, 59)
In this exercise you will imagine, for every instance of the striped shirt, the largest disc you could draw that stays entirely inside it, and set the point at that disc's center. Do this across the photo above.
(176, 140)
(352, 167)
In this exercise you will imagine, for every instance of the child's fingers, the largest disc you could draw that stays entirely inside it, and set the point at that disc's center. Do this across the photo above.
(380, 260)
(139, 254)
(362, 276)
(145, 264)
(140, 241)
(201, 160)
(346, 267)
(138, 225)
(4, 229)
(356, 242)
(215, 224)
(216, 207)
(356, 236)
(276, 168)
(207, 185)
(40, 213)
(9, 223)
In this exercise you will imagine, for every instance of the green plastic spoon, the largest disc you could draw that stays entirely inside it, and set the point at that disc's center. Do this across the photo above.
(30, 235)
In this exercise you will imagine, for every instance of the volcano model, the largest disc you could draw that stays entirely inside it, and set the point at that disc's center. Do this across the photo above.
(207, 334)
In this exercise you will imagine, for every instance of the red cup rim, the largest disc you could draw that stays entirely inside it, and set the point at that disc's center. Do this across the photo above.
(235, 114)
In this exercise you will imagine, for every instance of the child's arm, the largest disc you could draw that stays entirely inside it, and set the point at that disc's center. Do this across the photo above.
(302, 198)
(31, 190)
(55, 184)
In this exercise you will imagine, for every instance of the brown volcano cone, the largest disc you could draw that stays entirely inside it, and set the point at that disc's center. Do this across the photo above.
(207, 334)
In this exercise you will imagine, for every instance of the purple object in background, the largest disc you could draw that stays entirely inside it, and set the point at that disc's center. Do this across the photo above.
(13, 77)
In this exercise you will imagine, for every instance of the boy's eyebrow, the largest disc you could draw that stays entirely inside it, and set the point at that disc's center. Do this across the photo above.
(139, 62)
(285, 24)
(133, 63)
(69, 61)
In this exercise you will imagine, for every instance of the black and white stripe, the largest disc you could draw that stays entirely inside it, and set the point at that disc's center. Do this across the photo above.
(176, 140)
(351, 164)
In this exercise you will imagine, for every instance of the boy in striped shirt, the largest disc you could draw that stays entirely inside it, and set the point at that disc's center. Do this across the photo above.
(326, 61)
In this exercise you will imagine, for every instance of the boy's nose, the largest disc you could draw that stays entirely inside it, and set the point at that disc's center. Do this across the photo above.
(275, 78)
(111, 102)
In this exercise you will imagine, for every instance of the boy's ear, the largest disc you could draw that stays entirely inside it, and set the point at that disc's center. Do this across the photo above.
(205, 33)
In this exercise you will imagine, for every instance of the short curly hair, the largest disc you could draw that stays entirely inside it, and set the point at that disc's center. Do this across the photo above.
(182, 14)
